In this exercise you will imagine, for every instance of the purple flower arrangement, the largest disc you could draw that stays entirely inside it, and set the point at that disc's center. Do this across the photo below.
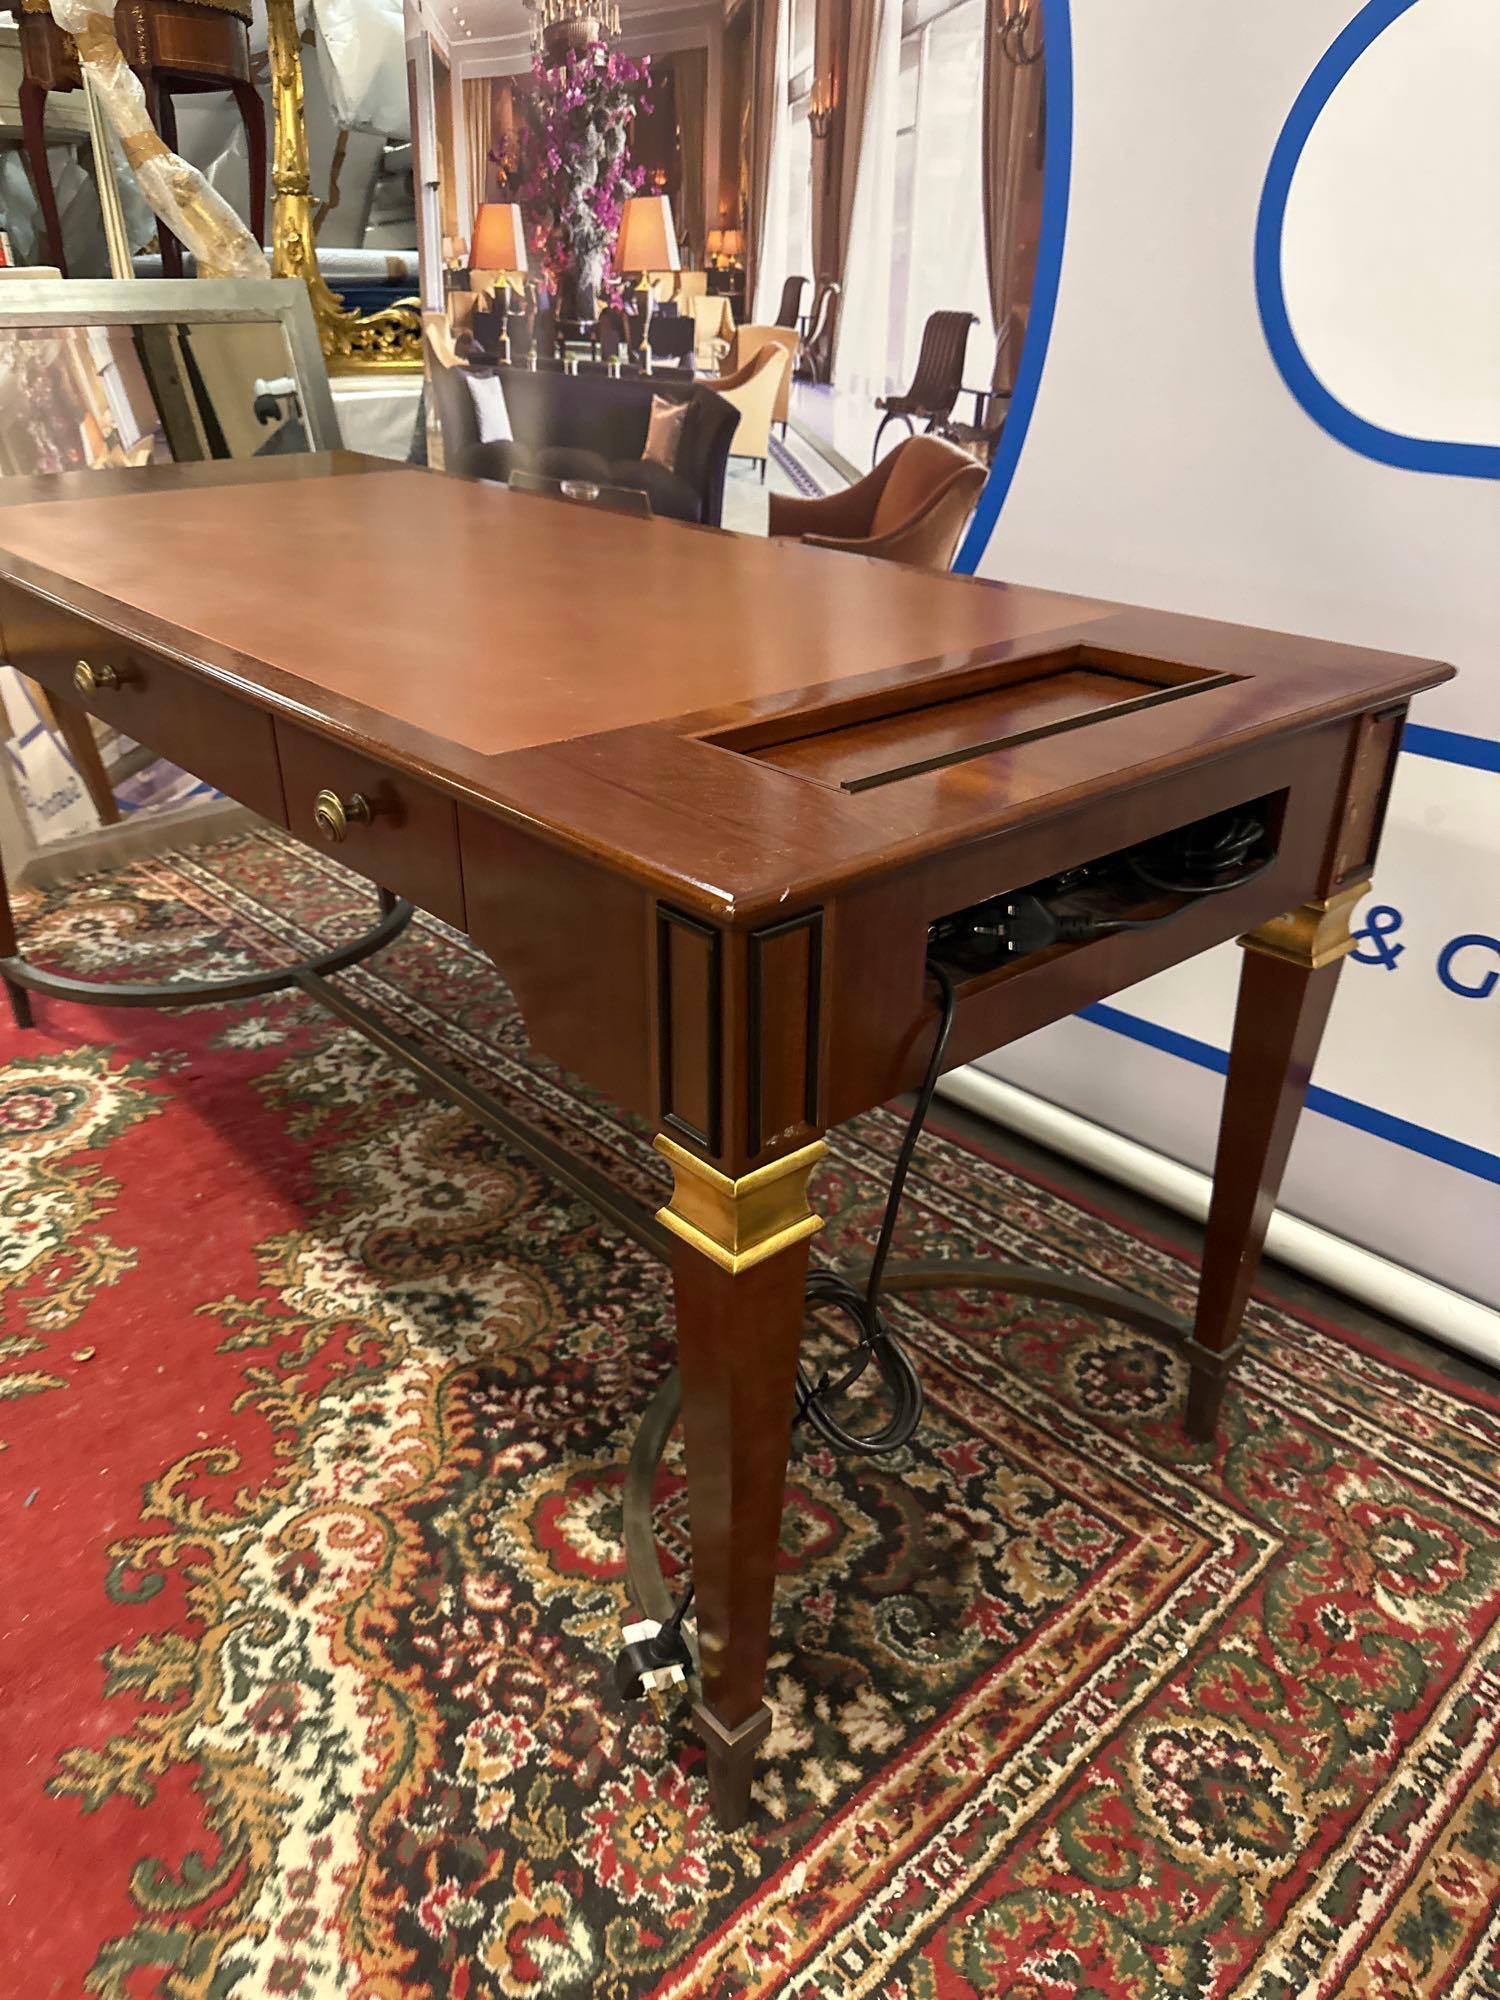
(576, 173)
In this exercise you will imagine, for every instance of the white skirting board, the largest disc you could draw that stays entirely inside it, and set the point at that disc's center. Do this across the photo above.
(1432, 1308)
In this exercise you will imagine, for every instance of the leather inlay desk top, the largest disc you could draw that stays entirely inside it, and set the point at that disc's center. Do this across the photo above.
(562, 668)
(539, 622)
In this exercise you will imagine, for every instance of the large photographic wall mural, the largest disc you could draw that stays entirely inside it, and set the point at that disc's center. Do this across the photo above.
(1262, 383)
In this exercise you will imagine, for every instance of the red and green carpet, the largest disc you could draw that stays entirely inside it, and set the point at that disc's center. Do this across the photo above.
(314, 1406)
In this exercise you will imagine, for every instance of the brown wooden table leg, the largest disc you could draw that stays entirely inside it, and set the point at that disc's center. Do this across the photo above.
(20, 999)
(163, 115)
(739, 1270)
(1287, 983)
(33, 105)
(72, 724)
(76, 731)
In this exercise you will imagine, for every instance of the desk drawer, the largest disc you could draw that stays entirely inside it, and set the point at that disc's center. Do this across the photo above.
(215, 735)
(398, 831)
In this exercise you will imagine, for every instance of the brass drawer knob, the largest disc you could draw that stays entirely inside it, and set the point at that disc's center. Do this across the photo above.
(89, 680)
(332, 815)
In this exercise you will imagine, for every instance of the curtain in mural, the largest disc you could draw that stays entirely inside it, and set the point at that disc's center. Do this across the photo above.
(846, 45)
(860, 357)
(946, 264)
(691, 68)
(766, 220)
(1014, 113)
(479, 98)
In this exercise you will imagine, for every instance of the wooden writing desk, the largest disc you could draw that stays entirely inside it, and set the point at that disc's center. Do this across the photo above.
(707, 866)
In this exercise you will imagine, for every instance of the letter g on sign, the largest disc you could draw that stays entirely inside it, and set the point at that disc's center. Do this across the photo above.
(1461, 979)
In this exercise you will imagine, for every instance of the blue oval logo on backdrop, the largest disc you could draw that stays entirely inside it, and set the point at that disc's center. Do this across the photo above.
(1417, 299)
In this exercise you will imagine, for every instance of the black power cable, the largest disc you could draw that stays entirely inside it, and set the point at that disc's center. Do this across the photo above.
(1081, 905)
(876, 1342)
(1026, 921)
(656, 1657)
(1204, 853)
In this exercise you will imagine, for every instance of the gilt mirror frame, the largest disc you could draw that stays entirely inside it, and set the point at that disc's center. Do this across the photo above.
(351, 342)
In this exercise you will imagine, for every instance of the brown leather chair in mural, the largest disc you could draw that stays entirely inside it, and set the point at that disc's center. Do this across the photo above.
(174, 47)
(939, 378)
(819, 331)
(913, 508)
(791, 302)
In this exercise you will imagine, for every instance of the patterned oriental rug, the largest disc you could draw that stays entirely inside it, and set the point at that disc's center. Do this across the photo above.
(315, 1406)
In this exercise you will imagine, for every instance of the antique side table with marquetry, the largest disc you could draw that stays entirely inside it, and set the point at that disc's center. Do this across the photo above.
(175, 47)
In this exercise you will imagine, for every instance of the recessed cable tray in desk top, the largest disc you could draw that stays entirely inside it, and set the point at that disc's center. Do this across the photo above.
(862, 742)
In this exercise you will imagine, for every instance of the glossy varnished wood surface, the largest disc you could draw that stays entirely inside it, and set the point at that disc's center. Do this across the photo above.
(701, 797)
(561, 667)
(535, 622)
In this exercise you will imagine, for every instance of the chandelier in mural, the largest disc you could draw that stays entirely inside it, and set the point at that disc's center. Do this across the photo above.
(1020, 31)
(560, 28)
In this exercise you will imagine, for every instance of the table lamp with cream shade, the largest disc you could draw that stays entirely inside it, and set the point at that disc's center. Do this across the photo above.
(725, 247)
(647, 244)
(500, 246)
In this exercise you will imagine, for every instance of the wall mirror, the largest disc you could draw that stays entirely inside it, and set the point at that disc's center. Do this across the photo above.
(95, 374)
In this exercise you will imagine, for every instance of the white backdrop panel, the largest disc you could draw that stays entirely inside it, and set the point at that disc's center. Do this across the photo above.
(1166, 463)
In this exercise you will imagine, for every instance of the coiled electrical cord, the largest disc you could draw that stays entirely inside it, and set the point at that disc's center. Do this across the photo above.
(1205, 855)
(1202, 864)
(1226, 845)
(877, 1344)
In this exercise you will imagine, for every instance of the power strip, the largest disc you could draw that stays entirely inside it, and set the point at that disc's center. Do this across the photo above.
(1133, 888)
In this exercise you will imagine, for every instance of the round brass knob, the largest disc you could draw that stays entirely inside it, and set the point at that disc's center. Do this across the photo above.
(332, 815)
(89, 680)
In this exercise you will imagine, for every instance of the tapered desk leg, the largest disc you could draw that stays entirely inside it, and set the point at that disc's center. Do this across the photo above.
(1287, 983)
(76, 731)
(20, 999)
(739, 1270)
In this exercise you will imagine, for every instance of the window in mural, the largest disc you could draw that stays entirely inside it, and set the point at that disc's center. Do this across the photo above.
(799, 250)
(937, 251)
